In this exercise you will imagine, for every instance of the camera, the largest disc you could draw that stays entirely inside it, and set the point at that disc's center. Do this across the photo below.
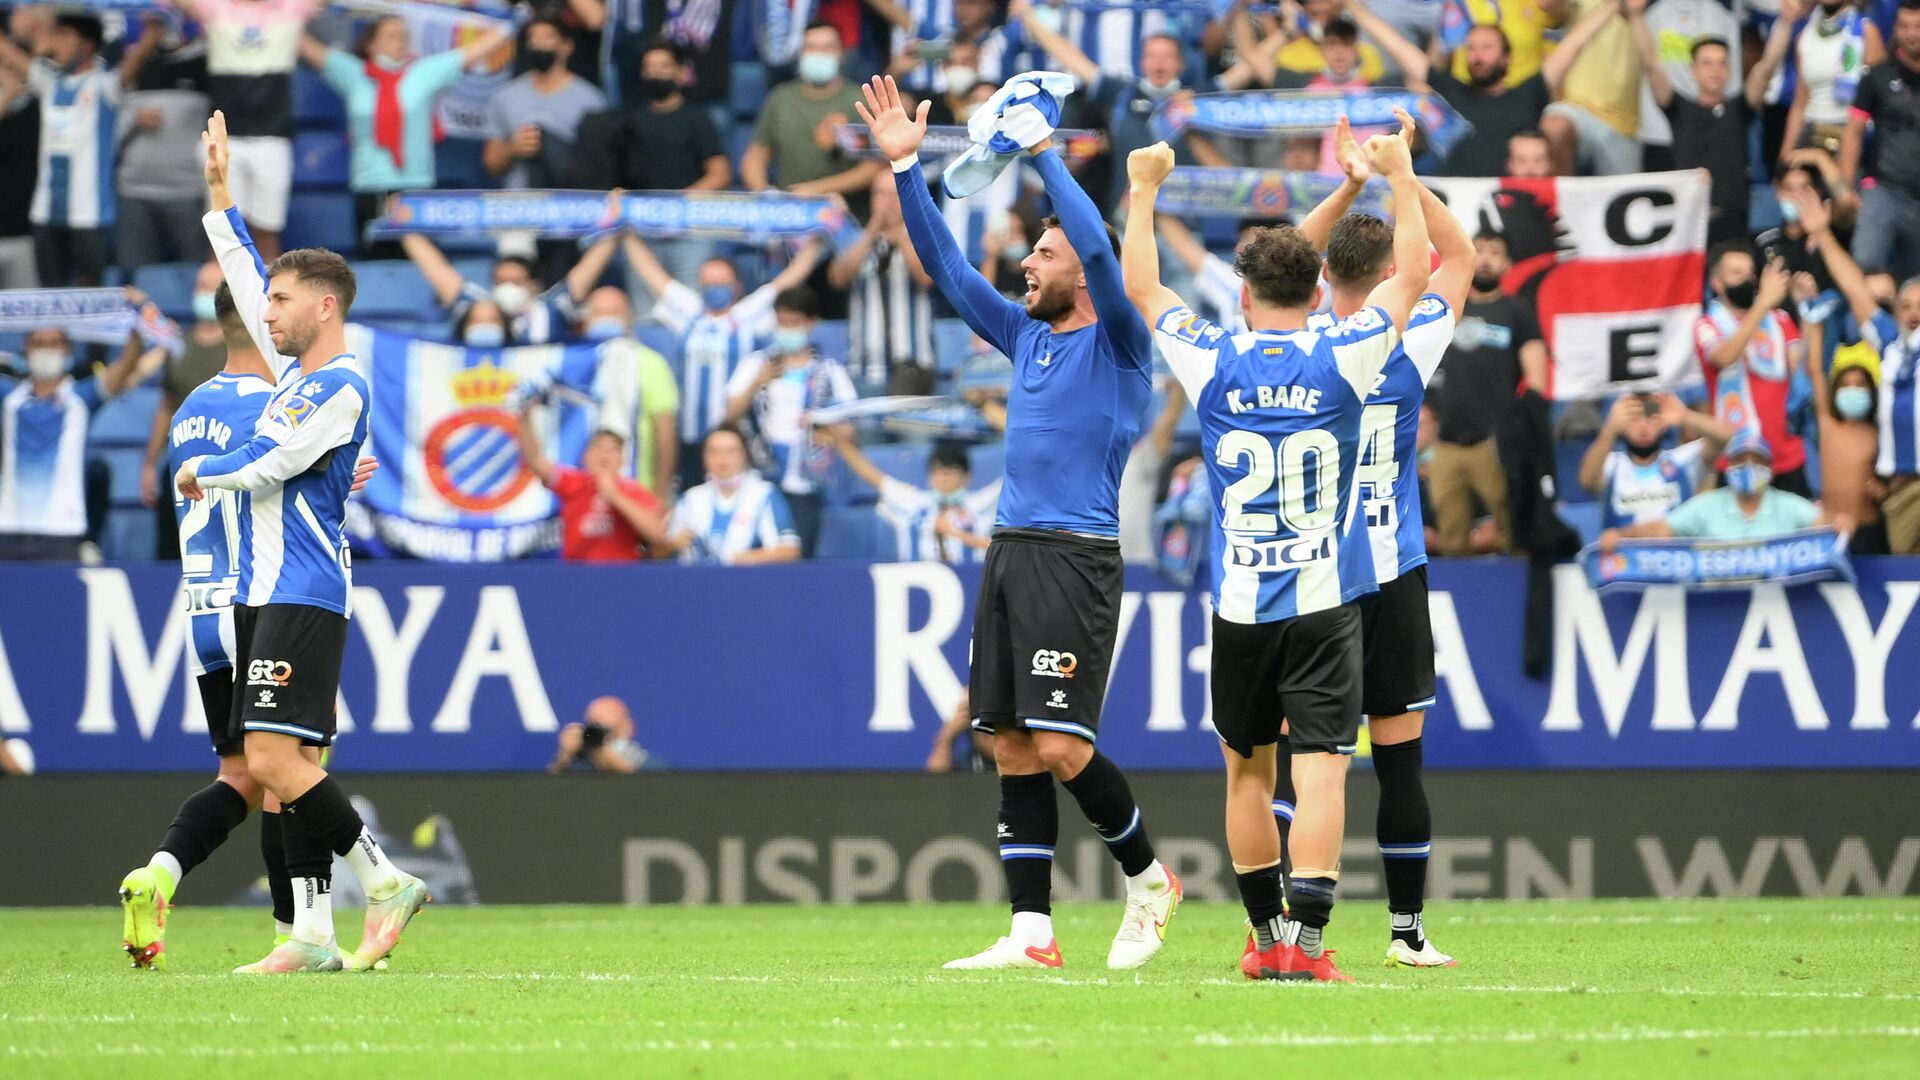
(592, 737)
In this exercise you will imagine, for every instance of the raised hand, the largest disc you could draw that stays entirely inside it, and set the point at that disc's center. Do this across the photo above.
(215, 141)
(1774, 282)
(1347, 152)
(1390, 156)
(363, 471)
(1814, 215)
(1149, 166)
(894, 132)
(1673, 410)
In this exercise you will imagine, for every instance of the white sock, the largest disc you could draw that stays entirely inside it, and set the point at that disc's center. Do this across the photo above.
(313, 910)
(1149, 882)
(1033, 928)
(283, 929)
(164, 862)
(379, 878)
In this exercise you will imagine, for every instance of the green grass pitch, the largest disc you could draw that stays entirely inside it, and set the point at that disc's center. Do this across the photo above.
(1725, 988)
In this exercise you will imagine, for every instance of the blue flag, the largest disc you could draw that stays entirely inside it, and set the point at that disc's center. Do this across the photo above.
(738, 215)
(1809, 555)
(1309, 112)
(1242, 193)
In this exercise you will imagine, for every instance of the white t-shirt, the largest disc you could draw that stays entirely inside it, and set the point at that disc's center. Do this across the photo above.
(782, 408)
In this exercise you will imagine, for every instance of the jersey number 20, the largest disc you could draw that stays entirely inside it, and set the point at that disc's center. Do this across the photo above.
(1302, 463)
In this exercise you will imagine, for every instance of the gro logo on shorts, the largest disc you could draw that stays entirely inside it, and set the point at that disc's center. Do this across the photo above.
(1054, 664)
(269, 673)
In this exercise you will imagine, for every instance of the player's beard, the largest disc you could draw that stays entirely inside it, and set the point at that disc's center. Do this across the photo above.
(298, 338)
(1051, 302)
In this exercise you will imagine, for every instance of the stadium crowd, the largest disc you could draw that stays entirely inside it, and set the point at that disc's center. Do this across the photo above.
(1805, 116)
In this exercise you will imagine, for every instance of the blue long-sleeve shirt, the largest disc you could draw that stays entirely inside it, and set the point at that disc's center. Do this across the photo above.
(1077, 397)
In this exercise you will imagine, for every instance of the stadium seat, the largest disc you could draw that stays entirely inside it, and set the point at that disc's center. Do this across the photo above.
(737, 141)
(126, 463)
(748, 90)
(906, 461)
(852, 533)
(457, 165)
(1584, 517)
(129, 533)
(320, 160)
(830, 337)
(391, 289)
(322, 219)
(125, 420)
(1566, 470)
(169, 285)
(316, 105)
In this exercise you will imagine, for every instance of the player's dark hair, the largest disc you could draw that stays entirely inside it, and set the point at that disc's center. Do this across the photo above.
(1280, 266)
(318, 266)
(363, 41)
(1052, 221)
(666, 45)
(1705, 42)
(1718, 253)
(1246, 223)
(950, 454)
(798, 299)
(1358, 250)
(1342, 29)
(89, 27)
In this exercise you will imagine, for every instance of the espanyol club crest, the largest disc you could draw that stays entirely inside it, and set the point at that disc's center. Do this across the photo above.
(1733, 408)
(473, 456)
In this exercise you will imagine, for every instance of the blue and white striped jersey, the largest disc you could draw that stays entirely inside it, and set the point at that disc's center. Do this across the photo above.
(218, 416)
(1280, 421)
(79, 114)
(1899, 404)
(723, 525)
(711, 349)
(1390, 436)
(298, 467)
(931, 19)
(43, 458)
(915, 515)
(1634, 492)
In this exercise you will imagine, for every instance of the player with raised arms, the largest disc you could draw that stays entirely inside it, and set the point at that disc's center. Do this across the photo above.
(1280, 411)
(1396, 678)
(292, 599)
(1047, 613)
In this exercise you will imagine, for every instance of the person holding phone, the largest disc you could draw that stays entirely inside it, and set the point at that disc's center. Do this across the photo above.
(1748, 349)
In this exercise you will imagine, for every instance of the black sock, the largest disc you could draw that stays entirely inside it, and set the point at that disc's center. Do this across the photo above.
(1260, 891)
(1283, 802)
(1029, 829)
(273, 853)
(1310, 903)
(327, 815)
(1404, 827)
(202, 824)
(1103, 795)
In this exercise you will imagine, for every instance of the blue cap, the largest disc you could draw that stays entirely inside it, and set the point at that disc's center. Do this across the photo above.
(1748, 441)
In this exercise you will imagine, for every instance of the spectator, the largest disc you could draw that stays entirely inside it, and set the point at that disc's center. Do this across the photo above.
(43, 443)
(161, 196)
(1899, 412)
(1527, 26)
(1485, 98)
(657, 143)
(735, 518)
(1748, 351)
(717, 328)
(890, 309)
(1630, 467)
(1528, 155)
(602, 741)
(1750, 507)
(74, 202)
(531, 121)
(1674, 26)
(955, 79)
(638, 397)
(921, 43)
(1216, 284)
(955, 733)
(1888, 231)
(1831, 57)
(1790, 241)
(1127, 103)
(390, 97)
(205, 355)
(1003, 249)
(793, 139)
(1709, 125)
(252, 47)
(1595, 126)
(605, 517)
(1496, 348)
(703, 32)
(19, 164)
(784, 385)
(1324, 47)
(946, 521)
(526, 312)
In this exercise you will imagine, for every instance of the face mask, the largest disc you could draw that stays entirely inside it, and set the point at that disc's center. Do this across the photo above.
(657, 89)
(47, 364)
(605, 328)
(540, 59)
(389, 63)
(1157, 91)
(486, 336)
(1486, 282)
(1853, 402)
(203, 307)
(1050, 17)
(1741, 295)
(961, 79)
(1789, 211)
(1016, 250)
(819, 68)
(1750, 478)
(717, 297)
(788, 340)
(949, 500)
(512, 297)
(729, 485)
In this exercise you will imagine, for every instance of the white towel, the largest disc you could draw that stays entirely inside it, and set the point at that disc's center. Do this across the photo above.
(1017, 117)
